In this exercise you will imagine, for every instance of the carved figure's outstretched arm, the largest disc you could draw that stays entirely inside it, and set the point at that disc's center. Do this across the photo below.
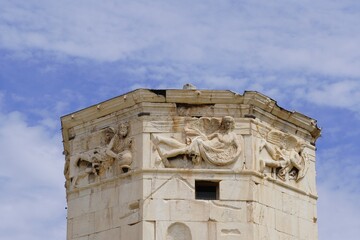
(195, 132)
(109, 148)
(214, 135)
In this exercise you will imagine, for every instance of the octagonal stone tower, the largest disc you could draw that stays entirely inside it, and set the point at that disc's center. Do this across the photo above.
(190, 164)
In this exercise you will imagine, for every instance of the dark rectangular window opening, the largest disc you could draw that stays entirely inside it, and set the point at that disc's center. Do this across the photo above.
(206, 190)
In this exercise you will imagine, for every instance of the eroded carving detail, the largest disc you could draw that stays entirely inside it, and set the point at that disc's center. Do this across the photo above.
(209, 139)
(97, 161)
(287, 157)
(178, 231)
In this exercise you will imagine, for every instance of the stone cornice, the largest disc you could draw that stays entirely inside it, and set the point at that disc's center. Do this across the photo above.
(258, 104)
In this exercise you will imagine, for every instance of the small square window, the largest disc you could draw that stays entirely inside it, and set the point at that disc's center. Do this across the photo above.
(206, 190)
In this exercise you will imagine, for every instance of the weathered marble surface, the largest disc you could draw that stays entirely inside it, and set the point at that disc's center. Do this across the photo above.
(132, 164)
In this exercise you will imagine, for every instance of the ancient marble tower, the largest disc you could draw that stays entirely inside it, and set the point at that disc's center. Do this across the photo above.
(190, 165)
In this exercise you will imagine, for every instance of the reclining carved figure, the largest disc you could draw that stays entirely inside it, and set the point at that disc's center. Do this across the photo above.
(220, 148)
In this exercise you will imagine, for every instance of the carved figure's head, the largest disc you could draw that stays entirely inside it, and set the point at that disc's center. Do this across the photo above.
(228, 123)
(123, 129)
(300, 147)
(109, 133)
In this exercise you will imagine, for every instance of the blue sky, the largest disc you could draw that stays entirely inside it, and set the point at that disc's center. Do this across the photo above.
(57, 57)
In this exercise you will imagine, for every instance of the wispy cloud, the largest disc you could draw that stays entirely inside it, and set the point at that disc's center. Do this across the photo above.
(250, 34)
(33, 205)
(225, 42)
(338, 214)
(338, 176)
(345, 93)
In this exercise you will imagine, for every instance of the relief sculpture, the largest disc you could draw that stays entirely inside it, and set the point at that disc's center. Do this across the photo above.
(178, 231)
(96, 162)
(211, 140)
(286, 156)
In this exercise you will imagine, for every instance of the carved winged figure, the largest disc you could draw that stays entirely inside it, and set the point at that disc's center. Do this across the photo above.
(220, 147)
(96, 161)
(287, 154)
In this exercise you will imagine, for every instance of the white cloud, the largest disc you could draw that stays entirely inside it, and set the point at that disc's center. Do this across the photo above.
(224, 35)
(308, 47)
(33, 197)
(338, 214)
(338, 94)
(339, 196)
